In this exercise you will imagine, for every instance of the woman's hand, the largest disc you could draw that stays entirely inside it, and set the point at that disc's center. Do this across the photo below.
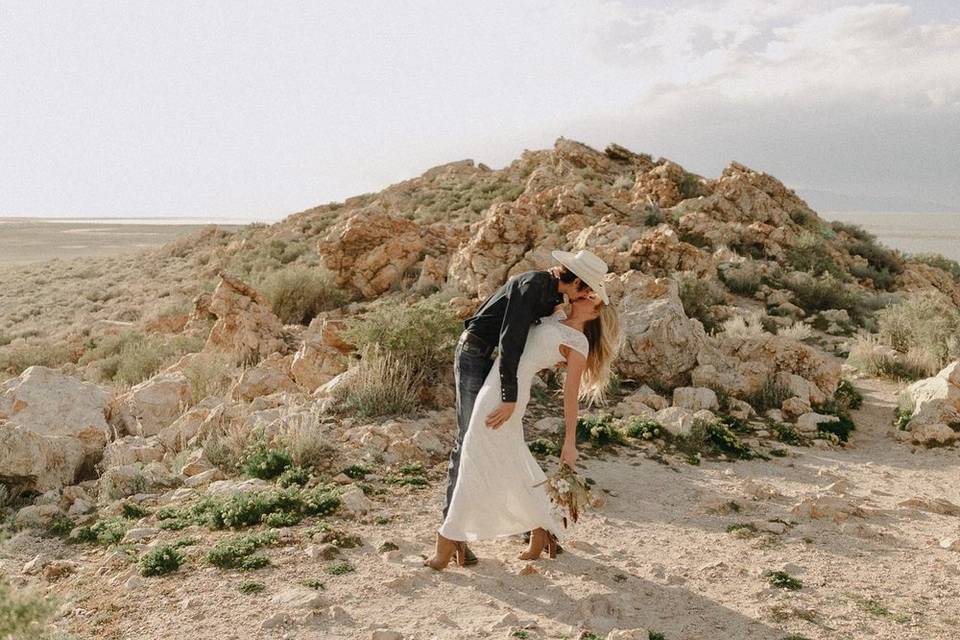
(568, 455)
(501, 414)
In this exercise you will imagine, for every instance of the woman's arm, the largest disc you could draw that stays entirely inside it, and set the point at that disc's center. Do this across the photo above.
(571, 404)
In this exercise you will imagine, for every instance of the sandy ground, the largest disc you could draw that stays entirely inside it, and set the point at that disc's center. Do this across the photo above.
(657, 557)
(28, 240)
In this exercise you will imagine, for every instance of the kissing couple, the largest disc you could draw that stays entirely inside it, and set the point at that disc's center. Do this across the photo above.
(495, 487)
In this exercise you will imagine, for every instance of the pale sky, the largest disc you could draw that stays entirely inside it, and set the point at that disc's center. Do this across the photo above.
(256, 110)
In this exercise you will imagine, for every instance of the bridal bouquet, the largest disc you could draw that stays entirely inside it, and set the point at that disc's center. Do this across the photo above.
(570, 493)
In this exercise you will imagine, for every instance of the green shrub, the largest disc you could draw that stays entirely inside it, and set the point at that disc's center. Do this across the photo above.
(298, 294)
(105, 532)
(645, 429)
(60, 526)
(847, 397)
(810, 254)
(339, 568)
(880, 258)
(814, 294)
(770, 396)
(279, 519)
(840, 428)
(250, 587)
(160, 560)
(314, 583)
(698, 295)
(936, 260)
(783, 580)
(881, 278)
(744, 278)
(133, 511)
(322, 501)
(787, 434)
(265, 462)
(926, 324)
(853, 230)
(356, 471)
(599, 431)
(379, 384)
(132, 357)
(422, 335)
(543, 447)
(716, 437)
(15, 358)
(237, 552)
(656, 635)
(294, 476)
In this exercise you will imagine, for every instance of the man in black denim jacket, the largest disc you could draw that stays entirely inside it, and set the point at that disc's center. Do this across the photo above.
(502, 322)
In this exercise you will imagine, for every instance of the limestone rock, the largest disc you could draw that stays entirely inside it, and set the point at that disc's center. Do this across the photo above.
(835, 508)
(149, 407)
(795, 407)
(370, 251)
(809, 422)
(130, 450)
(936, 402)
(659, 342)
(298, 598)
(269, 376)
(315, 364)
(246, 327)
(742, 365)
(355, 501)
(498, 242)
(676, 420)
(51, 427)
(695, 398)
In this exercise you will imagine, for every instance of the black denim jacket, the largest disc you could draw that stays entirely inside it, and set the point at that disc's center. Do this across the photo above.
(506, 316)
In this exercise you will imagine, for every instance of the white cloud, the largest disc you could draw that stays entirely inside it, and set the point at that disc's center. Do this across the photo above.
(833, 95)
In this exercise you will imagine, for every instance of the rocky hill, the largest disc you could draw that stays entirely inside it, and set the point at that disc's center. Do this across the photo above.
(260, 418)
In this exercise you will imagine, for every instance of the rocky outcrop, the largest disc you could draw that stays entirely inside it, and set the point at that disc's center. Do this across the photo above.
(660, 343)
(52, 427)
(742, 366)
(151, 406)
(660, 251)
(936, 407)
(269, 376)
(370, 251)
(497, 243)
(246, 328)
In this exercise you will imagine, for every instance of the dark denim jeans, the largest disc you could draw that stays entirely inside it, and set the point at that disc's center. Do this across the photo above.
(471, 365)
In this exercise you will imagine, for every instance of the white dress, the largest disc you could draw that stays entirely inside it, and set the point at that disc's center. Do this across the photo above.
(496, 493)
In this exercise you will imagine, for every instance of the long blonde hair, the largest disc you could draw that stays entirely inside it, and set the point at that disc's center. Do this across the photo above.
(603, 335)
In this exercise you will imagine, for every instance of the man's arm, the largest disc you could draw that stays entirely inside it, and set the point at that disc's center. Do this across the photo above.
(523, 298)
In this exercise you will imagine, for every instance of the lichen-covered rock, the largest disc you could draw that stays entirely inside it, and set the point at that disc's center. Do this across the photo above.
(660, 343)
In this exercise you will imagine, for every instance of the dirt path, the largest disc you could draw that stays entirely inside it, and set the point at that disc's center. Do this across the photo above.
(657, 557)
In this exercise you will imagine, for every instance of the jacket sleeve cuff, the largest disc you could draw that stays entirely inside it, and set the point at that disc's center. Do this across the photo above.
(508, 394)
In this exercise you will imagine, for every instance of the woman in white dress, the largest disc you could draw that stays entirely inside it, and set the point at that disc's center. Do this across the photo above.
(499, 490)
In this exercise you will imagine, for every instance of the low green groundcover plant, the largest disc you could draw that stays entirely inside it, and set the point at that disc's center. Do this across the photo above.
(160, 560)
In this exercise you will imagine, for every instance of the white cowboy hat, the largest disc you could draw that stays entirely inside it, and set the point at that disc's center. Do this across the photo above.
(586, 266)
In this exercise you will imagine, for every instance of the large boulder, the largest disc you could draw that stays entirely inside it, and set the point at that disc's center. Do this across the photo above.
(370, 251)
(269, 376)
(151, 406)
(315, 363)
(660, 343)
(246, 327)
(742, 365)
(52, 427)
(936, 407)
